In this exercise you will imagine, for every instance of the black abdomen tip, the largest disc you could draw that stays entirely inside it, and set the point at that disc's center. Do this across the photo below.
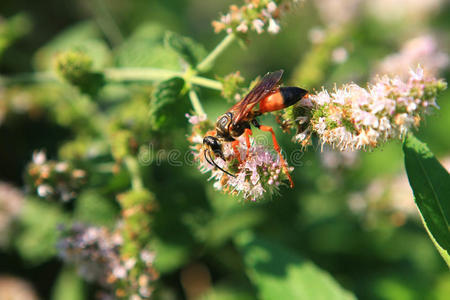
(292, 94)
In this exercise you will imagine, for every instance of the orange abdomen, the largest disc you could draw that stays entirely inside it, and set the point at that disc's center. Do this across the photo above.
(281, 98)
(272, 102)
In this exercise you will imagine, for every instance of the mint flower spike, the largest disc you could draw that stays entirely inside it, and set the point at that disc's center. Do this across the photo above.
(256, 15)
(353, 118)
(259, 176)
(95, 252)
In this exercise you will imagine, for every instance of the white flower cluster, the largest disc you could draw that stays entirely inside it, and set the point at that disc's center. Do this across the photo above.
(54, 180)
(352, 118)
(256, 15)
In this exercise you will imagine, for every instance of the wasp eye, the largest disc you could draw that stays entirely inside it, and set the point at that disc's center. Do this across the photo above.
(210, 141)
(214, 145)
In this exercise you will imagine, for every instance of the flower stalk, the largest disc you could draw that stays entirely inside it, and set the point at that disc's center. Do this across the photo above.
(151, 74)
(209, 60)
(117, 75)
(133, 168)
(196, 104)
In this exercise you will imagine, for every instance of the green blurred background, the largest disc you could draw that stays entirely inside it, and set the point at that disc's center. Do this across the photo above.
(352, 216)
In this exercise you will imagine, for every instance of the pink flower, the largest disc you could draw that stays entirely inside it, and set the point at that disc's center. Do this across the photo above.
(271, 7)
(242, 27)
(273, 28)
(421, 50)
(258, 25)
(259, 175)
(194, 119)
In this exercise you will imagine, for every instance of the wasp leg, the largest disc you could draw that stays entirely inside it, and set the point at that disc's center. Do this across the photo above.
(211, 132)
(234, 145)
(277, 148)
(247, 132)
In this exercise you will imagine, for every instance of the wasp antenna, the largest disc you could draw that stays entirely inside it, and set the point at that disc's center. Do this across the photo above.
(208, 160)
(213, 163)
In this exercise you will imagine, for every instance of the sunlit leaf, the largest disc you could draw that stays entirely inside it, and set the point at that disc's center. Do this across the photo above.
(93, 208)
(37, 240)
(430, 183)
(145, 48)
(170, 255)
(12, 29)
(84, 37)
(189, 50)
(279, 273)
(68, 286)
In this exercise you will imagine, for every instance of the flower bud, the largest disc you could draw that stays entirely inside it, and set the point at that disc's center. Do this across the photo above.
(74, 66)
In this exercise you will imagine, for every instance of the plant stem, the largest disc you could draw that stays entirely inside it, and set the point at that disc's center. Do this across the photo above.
(133, 168)
(209, 60)
(207, 83)
(106, 22)
(151, 74)
(140, 74)
(118, 75)
(196, 103)
(37, 77)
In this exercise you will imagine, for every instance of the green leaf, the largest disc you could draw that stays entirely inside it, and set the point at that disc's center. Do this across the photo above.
(430, 183)
(170, 255)
(279, 273)
(225, 225)
(224, 292)
(93, 208)
(166, 106)
(12, 29)
(37, 240)
(133, 115)
(82, 37)
(68, 286)
(189, 50)
(145, 48)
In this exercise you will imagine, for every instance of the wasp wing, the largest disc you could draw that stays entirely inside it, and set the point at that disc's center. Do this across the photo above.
(241, 109)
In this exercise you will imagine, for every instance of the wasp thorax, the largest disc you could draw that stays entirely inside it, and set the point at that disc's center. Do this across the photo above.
(223, 125)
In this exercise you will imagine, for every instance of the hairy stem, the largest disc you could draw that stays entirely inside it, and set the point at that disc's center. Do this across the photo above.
(37, 77)
(206, 82)
(150, 74)
(117, 75)
(133, 168)
(196, 104)
(209, 60)
(106, 22)
(140, 74)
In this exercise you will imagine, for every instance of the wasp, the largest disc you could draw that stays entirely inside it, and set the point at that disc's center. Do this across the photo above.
(237, 120)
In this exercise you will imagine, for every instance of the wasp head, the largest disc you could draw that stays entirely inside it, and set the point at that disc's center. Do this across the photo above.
(212, 148)
(212, 145)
